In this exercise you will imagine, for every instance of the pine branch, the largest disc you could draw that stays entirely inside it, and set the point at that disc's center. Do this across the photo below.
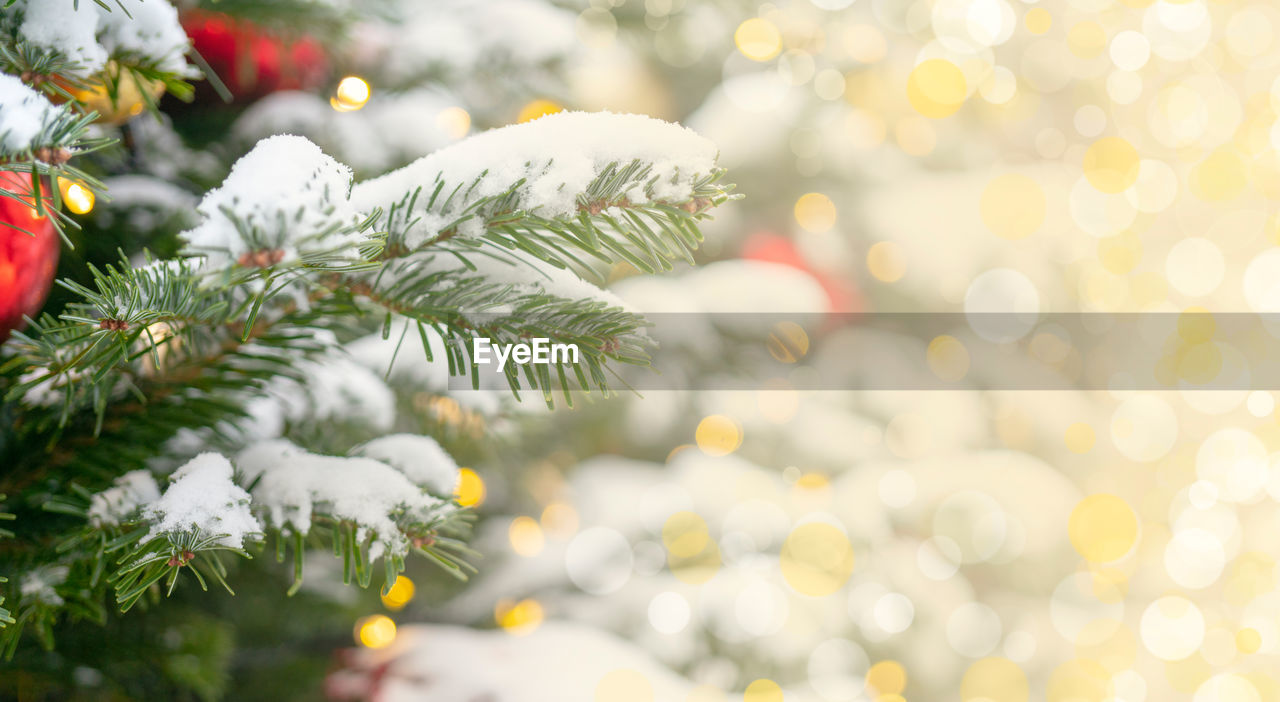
(460, 304)
(606, 226)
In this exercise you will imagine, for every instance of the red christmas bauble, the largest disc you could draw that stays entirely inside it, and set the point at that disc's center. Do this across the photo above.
(251, 61)
(27, 263)
(842, 296)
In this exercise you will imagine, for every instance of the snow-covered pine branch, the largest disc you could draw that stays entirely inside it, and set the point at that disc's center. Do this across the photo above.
(85, 35)
(507, 299)
(488, 236)
(611, 186)
(283, 202)
(283, 249)
(38, 137)
(390, 498)
(68, 49)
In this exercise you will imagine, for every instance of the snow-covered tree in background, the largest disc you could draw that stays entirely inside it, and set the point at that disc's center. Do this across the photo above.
(208, 390)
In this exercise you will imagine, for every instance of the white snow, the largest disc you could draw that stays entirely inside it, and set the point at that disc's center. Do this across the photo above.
(24, 114)
(420, 458)
(392, 129)
(202, 495)
(88, 34)
(151, 30)
(130, 492)
(288, 194)
(557, 662)
(71, 31)
(557, 156)
(39, 584)
(295, 485)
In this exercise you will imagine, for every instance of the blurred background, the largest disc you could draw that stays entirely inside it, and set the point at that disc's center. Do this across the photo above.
(896, 156)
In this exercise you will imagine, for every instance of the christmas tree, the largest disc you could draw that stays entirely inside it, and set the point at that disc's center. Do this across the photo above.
(204, 402)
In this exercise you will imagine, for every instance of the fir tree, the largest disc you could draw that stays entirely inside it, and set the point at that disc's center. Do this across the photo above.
(177, 415)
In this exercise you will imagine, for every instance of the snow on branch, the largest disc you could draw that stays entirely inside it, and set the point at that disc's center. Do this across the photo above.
(283, 201)
(26, 117)
(552, 173)
(87, 33)
(520, 277)
(124, 499)
(419, 458)
(202, 497)
(295, 489)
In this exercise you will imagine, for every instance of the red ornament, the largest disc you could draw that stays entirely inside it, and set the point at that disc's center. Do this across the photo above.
(254, 62)
(842, 295)
(27, 263)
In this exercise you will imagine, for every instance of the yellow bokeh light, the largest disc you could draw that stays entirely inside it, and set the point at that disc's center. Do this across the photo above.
(763, 690)
(78, 198)
(994, 680)
(1103, 528)
(352, 94)
(886, 261)
(1038, 20)
(685, 534)
(758, 39)
(624, 685)
(718, 435)
(937, 88)
(788, 342)
(1111, 165)
(813, 481)
(399, 595)
(377, 631)
(560, 519)
(887, 678)
(540, 107)
(1079, 438)
(1248, 640)
(526, 536)
(454, 121)
(815, 212)
(1012, 206)
(471, 490)
(518, 618)
(816, 559)
(948, 358)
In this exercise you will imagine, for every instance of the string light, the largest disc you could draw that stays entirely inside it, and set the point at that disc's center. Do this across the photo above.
(518, 618)
(400, 594)
(376, 631)
(352, 94)
(78, 198)
(758, 39)
(538, 108)
(454, 121)
(471, 490)
(526, 536)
